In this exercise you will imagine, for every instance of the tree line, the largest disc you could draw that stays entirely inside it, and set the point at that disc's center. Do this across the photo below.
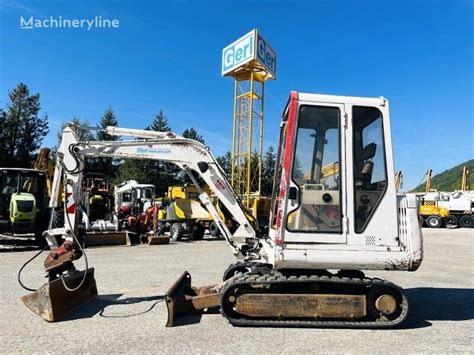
(450, 179)
(23, 130)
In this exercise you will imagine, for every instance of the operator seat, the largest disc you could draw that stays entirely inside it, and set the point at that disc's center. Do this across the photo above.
(365, 168)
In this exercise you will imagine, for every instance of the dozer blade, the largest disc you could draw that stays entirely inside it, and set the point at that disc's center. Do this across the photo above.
(183, 299)
(158, 239)
(93, 239)
(52, 301)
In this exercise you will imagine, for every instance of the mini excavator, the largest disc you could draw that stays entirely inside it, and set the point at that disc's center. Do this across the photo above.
(325, 229)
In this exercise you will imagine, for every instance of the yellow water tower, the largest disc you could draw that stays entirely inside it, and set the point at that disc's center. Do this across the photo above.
(251, 62)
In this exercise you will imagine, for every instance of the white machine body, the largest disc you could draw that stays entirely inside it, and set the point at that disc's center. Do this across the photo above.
(334, 203)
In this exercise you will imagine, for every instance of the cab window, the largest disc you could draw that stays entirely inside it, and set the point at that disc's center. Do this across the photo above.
(370, 172)
(316, 171)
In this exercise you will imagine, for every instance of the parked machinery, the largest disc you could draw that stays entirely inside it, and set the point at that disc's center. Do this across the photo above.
(433, 216)
(448, 208)
(307, 271)
(98, 203)
(182, 213)
(132, 201)
(23, 202)
(457, 206)
(24, 198)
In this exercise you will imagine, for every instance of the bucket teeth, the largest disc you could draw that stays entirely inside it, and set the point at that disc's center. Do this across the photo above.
(52, 301)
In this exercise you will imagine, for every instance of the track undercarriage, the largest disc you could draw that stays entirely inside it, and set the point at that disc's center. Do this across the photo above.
(255, 295)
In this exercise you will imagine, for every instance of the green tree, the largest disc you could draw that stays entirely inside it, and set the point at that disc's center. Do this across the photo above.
(108, 119)
(158, 173)
(268, 171)
(132, 169)
(254, 166)
(82, 133)
(191, 133)
(183, 177)
(450, 179)
(107, 165)
(22, 129)
(160, 123)
(225, 162)
(3, 147)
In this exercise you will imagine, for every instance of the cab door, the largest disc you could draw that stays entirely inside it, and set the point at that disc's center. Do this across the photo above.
(315, 206)
(372, 207)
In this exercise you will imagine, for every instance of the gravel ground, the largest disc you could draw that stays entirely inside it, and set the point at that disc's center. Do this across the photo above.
(129, 315)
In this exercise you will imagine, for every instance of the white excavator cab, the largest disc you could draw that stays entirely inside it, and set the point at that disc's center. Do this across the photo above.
(334, 202)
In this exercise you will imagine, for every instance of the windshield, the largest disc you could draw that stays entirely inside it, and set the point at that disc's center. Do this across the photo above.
(23, 182)
(148, 193)
(127, 197)
(316, 171)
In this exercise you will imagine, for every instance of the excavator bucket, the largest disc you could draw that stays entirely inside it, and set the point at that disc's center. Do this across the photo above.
(182, 298)
(52, 301)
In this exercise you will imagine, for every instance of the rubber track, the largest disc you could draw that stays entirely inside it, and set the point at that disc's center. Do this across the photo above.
(248, 280)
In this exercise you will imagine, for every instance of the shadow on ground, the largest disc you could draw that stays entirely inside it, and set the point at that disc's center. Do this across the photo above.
(193, 318)
(438, 304)
(100, 303)
(426, 304)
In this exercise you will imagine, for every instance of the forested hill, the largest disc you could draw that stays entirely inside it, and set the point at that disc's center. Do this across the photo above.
(450, 180)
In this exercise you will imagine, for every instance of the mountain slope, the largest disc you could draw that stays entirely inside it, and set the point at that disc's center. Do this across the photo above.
(450, 180)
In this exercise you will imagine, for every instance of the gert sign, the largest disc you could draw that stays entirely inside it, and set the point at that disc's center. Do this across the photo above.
(250, 47)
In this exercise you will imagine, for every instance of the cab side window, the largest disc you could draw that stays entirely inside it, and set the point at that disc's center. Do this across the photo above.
(370, 172)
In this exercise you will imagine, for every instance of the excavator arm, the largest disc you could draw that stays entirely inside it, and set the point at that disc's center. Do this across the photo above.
(68, 288)
(191, 156)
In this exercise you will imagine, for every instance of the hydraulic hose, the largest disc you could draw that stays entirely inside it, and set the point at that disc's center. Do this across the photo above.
(24, 265)
(78, 243)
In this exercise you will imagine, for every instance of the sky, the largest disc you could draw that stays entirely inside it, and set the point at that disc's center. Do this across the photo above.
(166, 55)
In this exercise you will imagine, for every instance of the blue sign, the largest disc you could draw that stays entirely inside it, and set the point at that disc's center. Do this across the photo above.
(250, 47)
(266, 55)
(238, 52)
